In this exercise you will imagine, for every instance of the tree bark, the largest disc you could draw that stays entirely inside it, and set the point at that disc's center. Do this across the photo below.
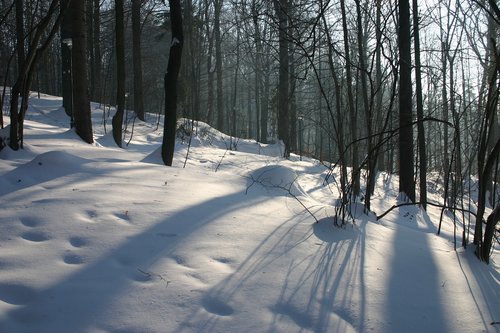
(420, 110)
(174, 64)
(66, 27)
(406, 172)
(137, 59)
(210, 70)
(81, 101)
(96, 35)
(120, 73)
(489, 232)
(16, 89)
(283, 88)
(350, 104)
(218, 65)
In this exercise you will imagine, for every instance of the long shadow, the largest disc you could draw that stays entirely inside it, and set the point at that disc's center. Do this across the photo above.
(80, 300)
(487, 279)
(312, 286)
(325, 283)
(413, 301)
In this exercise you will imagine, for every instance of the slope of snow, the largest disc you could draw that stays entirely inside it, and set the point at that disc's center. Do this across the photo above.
(94, 238)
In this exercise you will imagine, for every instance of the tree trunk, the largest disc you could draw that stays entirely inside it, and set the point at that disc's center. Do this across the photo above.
(283, 88)
(406, 172)
(350, 103)
(371, 159)
(16, 89)
(420, 110)
(258, 70)
(137, 59)
(96, 34)
(66, 34)
(210, 70)
(292, 101)
(81, 102)
(120, 74)
(235, 91)
(174, 64)
(218, 65)
(489, 232)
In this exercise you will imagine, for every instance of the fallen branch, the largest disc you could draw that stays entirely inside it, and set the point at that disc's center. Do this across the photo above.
(151, 275)
(289, 190)
(428, 203)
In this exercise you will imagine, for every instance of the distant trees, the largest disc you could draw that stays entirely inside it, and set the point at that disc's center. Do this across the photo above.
(362, 78)
(29, 51)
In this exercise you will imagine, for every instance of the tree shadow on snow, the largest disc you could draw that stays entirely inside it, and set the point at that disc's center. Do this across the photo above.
(80, 300)
(313, 292)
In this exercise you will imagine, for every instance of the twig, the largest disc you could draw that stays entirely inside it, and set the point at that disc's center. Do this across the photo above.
(151, 275)
(419, 203)
(220, 161)
(289, 190)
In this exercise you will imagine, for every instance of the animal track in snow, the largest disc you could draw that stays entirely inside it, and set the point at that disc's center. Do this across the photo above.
(88, 216)
(78, 241)
(35, 236)
(216, 306)
(73, 259)
(180, 261)
(222, 260)
(141, 276)
(123, 217)
(197, 278)
(222, 263)
(30, 222)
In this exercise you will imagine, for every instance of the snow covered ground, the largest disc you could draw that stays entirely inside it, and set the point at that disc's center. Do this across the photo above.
(94, 238)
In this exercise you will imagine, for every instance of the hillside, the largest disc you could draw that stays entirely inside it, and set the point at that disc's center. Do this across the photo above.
(94, 238)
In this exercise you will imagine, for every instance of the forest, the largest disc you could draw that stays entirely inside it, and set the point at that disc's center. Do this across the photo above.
(368, 85)
(365, 88)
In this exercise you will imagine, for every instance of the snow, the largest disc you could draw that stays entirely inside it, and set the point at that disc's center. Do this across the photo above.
(94, 238)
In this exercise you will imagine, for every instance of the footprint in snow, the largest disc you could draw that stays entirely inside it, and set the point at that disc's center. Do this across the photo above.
(216, 306)
(88, 216)
(30, 222)
(73, 259)
(34, 236)
(78, 242)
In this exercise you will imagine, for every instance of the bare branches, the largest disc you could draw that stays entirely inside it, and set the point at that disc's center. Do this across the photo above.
(287, 189)
(419, 203)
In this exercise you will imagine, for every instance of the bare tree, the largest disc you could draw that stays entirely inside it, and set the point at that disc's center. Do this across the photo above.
(120, 73)
(81, 102)
(137, 59)
(406, 172)
(174, 64)
(22, 85)
(281, 7)
(420, 109)
(350, 103)
(218, 64)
